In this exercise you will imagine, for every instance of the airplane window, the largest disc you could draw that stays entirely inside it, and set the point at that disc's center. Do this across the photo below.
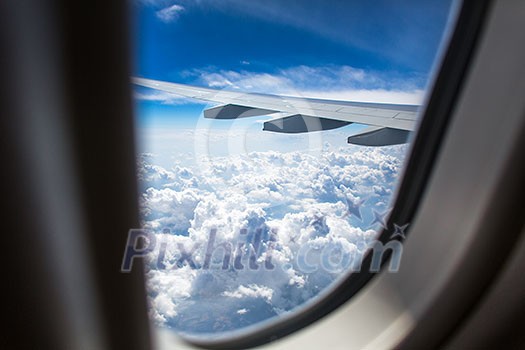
(272, 135)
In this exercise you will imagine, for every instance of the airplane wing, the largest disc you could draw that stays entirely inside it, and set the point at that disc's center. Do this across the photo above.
(389, 123)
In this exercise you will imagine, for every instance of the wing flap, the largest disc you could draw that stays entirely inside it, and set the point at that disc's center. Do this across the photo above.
(299, 123)
(377, 136)
(232, 111)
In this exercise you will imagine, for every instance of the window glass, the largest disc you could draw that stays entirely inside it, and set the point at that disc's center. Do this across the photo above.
(242, 224)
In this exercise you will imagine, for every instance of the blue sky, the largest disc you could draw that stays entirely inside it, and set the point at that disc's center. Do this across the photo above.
(377, 51)
(393, 36)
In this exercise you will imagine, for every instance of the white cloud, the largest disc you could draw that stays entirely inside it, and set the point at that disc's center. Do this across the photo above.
(298, 197)
(251, 291)
(170, 13)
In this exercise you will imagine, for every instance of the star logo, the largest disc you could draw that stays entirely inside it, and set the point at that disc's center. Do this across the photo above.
(380, 218)
(354, 208)
(399, 231)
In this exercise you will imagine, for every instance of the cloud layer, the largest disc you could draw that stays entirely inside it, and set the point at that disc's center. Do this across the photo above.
(294, 205)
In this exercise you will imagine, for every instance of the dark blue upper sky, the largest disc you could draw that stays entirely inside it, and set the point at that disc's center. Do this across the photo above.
(381, 35)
